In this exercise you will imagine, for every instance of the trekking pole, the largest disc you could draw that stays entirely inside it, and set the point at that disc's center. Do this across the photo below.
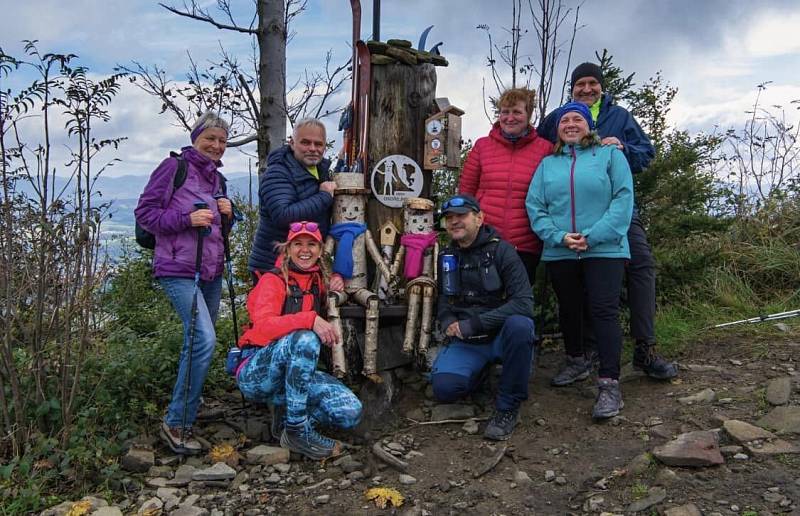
(226, 231)
(202, 232)
(760, 318)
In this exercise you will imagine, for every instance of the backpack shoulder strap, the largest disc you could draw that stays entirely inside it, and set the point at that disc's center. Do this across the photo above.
(180, 173)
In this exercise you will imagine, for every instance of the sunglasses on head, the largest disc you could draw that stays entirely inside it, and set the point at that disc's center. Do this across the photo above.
(456, 202)
(294, 227)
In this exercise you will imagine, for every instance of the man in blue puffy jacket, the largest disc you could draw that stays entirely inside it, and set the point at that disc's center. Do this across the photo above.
(295, 186)
(616, 126)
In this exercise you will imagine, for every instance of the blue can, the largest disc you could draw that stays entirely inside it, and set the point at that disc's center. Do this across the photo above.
(451, 279)
(233, 360)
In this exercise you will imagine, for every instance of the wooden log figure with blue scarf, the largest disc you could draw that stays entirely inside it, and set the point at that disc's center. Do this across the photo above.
(418, 247)
(348, 242)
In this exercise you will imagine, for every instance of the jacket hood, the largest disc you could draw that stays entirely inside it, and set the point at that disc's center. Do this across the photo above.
(497, 134)
(205, 165)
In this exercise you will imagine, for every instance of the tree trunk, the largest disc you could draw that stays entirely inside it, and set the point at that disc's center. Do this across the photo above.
(401, 98)
(271, 77)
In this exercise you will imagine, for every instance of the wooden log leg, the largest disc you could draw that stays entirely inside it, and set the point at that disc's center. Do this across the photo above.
(427, 320)
(338, 360)
(369, 300)
(414, 293)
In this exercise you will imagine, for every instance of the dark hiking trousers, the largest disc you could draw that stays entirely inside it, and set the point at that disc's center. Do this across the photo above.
(641, 274)
(594, 283)
(641, 279)
(456, 372)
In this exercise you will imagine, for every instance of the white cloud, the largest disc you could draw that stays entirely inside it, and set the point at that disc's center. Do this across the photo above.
(773, 34)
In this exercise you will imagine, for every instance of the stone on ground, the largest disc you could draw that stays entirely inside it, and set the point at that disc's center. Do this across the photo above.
(446, 411)
(183, 475)
(689, 509)
(779, 390)
(655, 495)
(745, 432)
(189, 510)
(150, 506)
(219, 471)
(696, 449)
(267, 455)
(406, 480)
(107, 511)
(704, 396)
(138, 460)
(772, 447)
(782, 419)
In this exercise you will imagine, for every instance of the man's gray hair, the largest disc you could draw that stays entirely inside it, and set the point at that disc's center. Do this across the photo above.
(307, 122)
(209, 120)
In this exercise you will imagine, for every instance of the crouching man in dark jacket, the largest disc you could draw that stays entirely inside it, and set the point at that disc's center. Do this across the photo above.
(485, 307)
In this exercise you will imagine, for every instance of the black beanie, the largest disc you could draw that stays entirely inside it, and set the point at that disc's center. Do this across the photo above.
(586, 70)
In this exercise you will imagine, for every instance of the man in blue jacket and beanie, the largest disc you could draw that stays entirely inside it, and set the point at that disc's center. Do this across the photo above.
(296, 185)
(616, 126)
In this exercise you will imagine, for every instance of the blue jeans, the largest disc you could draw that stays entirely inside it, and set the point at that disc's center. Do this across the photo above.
(285, 373)
(456, 372)
(180, 292)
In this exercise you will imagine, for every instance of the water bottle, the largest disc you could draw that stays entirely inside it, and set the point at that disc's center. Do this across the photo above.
(233, 360)
(451, 279)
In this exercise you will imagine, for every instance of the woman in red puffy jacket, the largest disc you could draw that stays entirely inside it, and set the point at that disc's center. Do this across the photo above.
(499, 170)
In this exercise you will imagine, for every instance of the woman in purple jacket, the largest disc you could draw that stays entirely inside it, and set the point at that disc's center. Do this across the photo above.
(172, 215)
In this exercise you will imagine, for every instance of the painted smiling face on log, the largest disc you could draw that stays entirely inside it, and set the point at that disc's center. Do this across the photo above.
(348, 208)
(418, 221)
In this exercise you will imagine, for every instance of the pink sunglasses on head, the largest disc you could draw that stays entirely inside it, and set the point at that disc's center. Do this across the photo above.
(294, 227)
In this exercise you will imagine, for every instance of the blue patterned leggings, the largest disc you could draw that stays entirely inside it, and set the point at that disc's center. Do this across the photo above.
(285, 373)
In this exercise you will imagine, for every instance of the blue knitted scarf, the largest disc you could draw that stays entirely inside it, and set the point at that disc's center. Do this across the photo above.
(345, 233)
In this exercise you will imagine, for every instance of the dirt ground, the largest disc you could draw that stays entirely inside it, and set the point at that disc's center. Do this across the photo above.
(559, 461)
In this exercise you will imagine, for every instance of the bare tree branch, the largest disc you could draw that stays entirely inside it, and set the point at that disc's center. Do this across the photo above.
(199, 14)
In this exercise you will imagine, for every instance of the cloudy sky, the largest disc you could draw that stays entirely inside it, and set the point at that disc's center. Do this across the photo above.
(714, 51)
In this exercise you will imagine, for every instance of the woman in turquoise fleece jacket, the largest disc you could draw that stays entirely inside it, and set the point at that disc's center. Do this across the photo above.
(580, 204)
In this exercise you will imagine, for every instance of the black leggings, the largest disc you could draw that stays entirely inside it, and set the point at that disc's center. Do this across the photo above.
(597, 283)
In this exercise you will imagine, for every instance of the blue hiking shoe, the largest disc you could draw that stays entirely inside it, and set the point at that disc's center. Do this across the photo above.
(303, 439)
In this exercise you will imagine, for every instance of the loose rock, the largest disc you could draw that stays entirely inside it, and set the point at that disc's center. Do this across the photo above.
(782, 419)
(655, 495)
(689, 509)
(407, 480)
(779, 390)
(745, 432)
(267, 455)
(138, 460)
(219, 471)
(697, 449)
(704, 396)
(446, 411)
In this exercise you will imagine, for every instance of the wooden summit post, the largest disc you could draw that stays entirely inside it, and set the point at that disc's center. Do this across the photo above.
(402, 97)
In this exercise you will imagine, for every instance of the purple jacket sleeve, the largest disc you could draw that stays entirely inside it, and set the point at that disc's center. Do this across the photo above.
(152, 212)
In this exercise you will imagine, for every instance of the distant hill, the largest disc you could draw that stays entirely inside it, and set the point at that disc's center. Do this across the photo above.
(124, 192)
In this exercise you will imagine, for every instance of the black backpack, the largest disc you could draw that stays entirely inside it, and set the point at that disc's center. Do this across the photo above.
(145, 238)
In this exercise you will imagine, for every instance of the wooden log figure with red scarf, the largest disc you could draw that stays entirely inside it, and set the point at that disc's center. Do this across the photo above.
(418, 251)
(352, 240)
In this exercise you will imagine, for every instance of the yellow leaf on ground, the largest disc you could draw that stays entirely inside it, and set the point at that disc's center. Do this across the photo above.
(80, 508)
(383, 495)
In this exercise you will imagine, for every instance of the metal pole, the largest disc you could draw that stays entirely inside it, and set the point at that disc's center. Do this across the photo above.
(376, 20)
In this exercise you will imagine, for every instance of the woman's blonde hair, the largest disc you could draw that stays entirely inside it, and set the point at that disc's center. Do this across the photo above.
(322, 261)
(589, 140)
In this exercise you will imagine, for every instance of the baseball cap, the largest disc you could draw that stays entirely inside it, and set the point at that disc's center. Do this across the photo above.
(304, 228)
(461, 203)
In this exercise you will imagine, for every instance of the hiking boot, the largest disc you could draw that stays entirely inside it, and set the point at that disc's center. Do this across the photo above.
(180, 442)
(609, 399)
(501, 426)
(653, 364)
(573, 369)
(278, 421)
(305, 440)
